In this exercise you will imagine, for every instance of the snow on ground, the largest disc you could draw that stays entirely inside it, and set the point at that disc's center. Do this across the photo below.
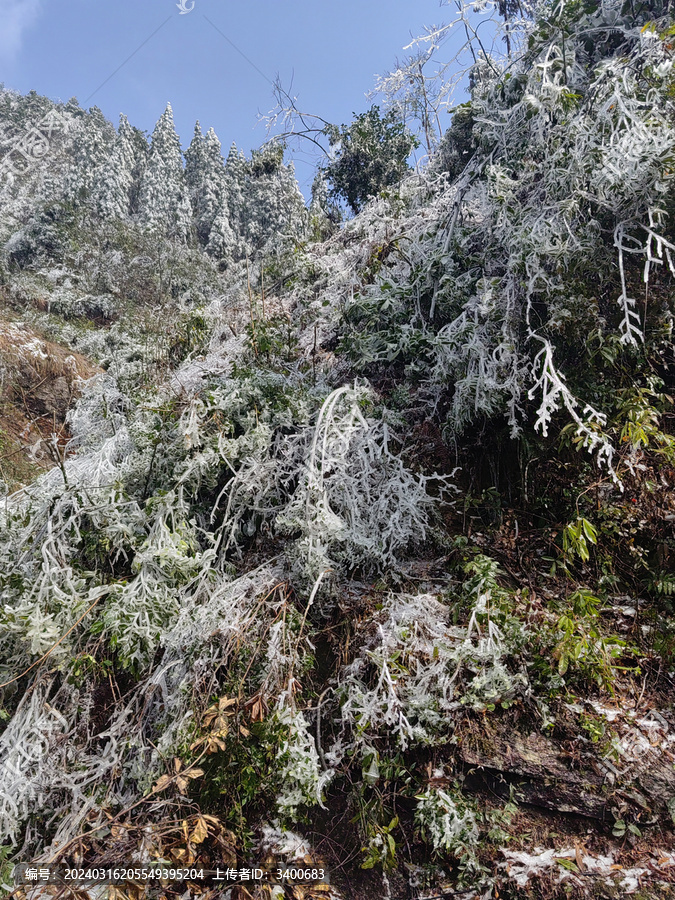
(577, 867)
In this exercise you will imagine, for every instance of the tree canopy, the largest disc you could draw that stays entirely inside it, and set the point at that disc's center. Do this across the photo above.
(370, 155)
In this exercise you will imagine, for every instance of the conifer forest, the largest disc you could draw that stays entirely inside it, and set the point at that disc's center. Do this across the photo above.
(337, 534)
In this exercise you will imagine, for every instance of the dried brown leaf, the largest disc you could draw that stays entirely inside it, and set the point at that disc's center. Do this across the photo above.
(162, 784)
(184, 855)
(257, 712)
(225, 703)
(201, 831)
(214, 744)
(580, 860)
(181, 784)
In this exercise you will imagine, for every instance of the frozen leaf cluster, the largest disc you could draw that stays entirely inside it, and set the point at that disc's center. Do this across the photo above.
(417, 669)
(446, 824)
(356, 503)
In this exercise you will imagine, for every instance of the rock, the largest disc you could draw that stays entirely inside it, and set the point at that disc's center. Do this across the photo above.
(541, 773)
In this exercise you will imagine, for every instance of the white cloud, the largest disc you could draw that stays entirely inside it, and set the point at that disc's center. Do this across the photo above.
(15, 17)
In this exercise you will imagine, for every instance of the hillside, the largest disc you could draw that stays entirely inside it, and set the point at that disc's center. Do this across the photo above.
(348, 547)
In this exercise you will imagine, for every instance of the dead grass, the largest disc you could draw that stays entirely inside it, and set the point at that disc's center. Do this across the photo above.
(32, 356)
(39, 381)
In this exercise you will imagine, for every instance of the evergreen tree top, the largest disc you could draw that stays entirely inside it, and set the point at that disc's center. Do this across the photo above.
(212, 142)
(165, 141)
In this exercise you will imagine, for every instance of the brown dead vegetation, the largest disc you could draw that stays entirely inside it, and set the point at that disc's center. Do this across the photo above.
(39, 381)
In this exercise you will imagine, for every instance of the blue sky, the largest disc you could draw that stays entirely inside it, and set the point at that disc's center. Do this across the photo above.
(331, 50)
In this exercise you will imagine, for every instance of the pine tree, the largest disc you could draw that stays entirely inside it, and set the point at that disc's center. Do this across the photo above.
(211, 198)
(195, 160)
(275, 208)
(113, 193)
(236, 176)
(223, 243)
(182, 225)
(262, 206)
(93, 145)
(160, 202)
(205, 179)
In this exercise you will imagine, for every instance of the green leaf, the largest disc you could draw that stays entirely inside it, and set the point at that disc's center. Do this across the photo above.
(590, 531)
(567, 864)
(619, 828)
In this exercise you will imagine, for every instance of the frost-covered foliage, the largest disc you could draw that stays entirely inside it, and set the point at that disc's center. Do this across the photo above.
(212, 577)
(356, 502)
(447, 826)
(132, 544)
(418, 669)
(302, 780)
(501, 271)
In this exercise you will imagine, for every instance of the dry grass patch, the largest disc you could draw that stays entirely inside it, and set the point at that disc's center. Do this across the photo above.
(39, 381)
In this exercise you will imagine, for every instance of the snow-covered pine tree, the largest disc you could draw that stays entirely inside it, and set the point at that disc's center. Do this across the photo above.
(275, 208)
(93, 144)
(114, 190)
(195, 159)
(161, 202)
(205, 177)
(222, 243)
(236, 175)
(226, 237)
(182, 225)
(29, 180)
(262, 205)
